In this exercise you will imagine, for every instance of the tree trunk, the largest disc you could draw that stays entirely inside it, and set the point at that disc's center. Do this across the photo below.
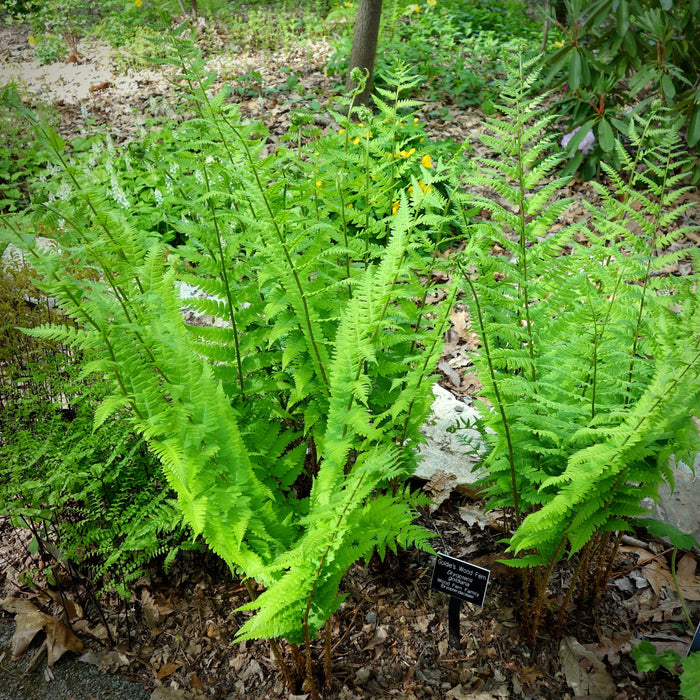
(364, 45)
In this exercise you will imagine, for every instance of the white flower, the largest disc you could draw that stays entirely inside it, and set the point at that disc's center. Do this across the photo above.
(586, 146)
(64, 191)
(118, 193)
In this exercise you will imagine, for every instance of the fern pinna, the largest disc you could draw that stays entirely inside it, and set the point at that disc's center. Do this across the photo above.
(590, 355)
(288, 426)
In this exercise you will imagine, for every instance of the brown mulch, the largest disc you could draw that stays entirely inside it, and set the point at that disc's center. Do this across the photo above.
(389, 637)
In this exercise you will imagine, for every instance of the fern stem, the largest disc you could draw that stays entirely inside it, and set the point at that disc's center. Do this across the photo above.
(608, 569)
(298, 659)
(309, 681)
(600, 563)
(345, 233)
(678, 588)
(497, 393)
(437, 338)
(227, 286)
(647, 275)
(522, 258)
(327, 655)
(586, 557)
(276, 650)
(569, 595)
(367, 195)
(542, 589)
(292, 267)
(596, 339)
(431, 266)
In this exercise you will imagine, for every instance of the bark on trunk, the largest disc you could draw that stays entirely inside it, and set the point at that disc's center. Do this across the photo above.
(364, 45)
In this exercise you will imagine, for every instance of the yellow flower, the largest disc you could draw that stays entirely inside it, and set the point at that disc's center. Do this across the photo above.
(415, 120)
(410, 190)
(425, 187)
(31, 41)
(351, 206)
(426, 161)
(347, 4)
(356, 140)
(432, 3)
(403, 154)
(138, 3)
(318, 183)
(559, 44)
(342, 131)
(395, 207)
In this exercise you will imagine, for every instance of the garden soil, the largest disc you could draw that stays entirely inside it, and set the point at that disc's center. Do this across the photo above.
(174, 637)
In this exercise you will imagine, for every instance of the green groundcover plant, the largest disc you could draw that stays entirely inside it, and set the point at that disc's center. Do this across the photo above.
(96, 502)
(648, 659)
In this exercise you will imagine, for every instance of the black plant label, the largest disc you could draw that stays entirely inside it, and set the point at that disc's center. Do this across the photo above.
(695, 644)
(460, 579)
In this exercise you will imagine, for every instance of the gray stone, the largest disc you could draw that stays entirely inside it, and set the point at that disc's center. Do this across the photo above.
(680, 507)
(453, 445)
(12, 256)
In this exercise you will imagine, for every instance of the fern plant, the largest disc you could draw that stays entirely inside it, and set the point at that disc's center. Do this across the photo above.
(590, 354)
(96, 503)
(288, 427)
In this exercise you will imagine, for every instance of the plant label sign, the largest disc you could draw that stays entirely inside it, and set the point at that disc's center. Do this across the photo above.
(695, 644)
(459, 579)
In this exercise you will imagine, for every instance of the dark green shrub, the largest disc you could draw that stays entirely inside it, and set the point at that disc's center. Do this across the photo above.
(624, 55)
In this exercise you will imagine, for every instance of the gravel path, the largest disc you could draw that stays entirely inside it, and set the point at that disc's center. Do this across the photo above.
(73, 679)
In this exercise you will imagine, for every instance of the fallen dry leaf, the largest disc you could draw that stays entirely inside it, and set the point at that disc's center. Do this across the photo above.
(658, 573)
(612, 648)
(472, 515)
(108, 661)
(30, 621)
(450, 373)
(439, 488)
(459, 318)
(687, 581)
(584, 672)
(166, 669)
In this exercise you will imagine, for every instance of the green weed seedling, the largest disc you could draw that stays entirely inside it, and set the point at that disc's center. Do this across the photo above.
(648, 659)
